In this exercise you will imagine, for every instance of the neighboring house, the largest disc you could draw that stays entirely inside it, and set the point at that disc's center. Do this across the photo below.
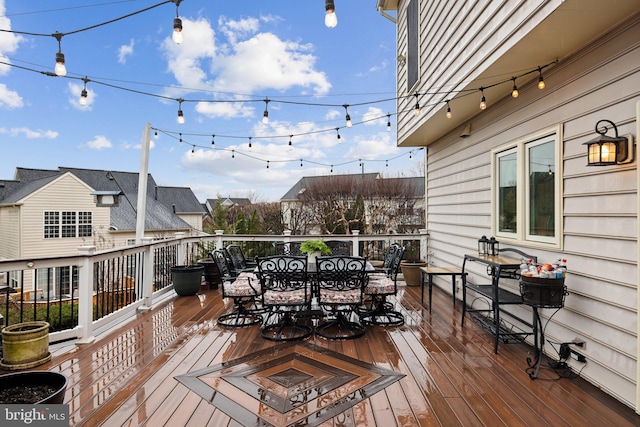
(391, 205)
(53, 211)
(518, 169)
(227, 202)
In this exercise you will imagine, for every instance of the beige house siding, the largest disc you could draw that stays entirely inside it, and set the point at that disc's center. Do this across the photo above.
(194, 220)
(10, 232)
(59, 195)
(599, 219)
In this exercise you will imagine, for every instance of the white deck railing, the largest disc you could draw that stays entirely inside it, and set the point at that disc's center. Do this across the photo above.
(106, 287)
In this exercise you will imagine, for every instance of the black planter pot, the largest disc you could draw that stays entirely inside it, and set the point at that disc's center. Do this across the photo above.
(211, 272)
(23, 380)
(187, 279)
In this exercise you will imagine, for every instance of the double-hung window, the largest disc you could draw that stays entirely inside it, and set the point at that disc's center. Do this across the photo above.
(67, 224)
(527, 203)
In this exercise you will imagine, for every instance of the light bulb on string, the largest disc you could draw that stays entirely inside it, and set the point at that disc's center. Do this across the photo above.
(233, 154)
(338, 133)
(155, 134)
(387, 163)
(83, 94)
(448, 115)
(388, 122)
(410, 155)
(541, 83)
(193, 150)
(514, 91)
(213, 141)
(331, 168)
(347, 116)
(250, 147)
(60, 69)
(330, 18)
(181, 139)
(417, 109)
(290, 142)
(483, 100)
(300, 162)
(265, 115)
(267, 164)
(180, 114)
(177, 35)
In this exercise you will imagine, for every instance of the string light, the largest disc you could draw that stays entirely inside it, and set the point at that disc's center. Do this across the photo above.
(541, 83)
(290, 143)
(267, 164)
(155, 135)
(449, 115)
(213, 141)
(388, 122)
(386, 163)
(233, 154)
(347, 116)
(417, 109)
(483, 100)
(180, 139)
(330, 19)
(265, 115)
(331, 168)
(249, 143)
(180, 115)
(60, 69)
(83, 94)
(177, 35)
(300, 162)
(338, 132)
(514, 91)
(193, 150)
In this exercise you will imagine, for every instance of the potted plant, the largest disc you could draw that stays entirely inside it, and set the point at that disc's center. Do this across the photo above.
(314, 248)
(25, 345)
(33, 387)
(187, 279)
(411, 263)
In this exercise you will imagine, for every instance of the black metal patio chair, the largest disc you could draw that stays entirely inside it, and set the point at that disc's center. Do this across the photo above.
(341, 281)
(378, 310)
(285, 291)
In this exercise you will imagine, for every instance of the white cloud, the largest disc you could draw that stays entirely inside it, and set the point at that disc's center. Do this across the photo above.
(374, 117)
(100, 142)
(9, 99)
(376, 146)
(8, 41)
(125, 51)
(244, 62)
(29, 133)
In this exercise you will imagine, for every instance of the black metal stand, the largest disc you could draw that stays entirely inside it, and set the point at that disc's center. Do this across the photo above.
(538, 344)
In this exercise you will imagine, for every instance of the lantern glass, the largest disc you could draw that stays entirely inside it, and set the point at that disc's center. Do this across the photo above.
(482, 245)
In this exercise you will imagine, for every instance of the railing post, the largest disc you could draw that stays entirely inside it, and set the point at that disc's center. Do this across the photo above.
(181, 253)
(423, 244)
(219, 243)
(85, 295)
(147, 277)
(356, 242)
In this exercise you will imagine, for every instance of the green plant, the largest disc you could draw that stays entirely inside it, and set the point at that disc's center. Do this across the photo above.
(311, 246)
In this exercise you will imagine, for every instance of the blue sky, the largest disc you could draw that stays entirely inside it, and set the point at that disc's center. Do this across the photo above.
(235, 55)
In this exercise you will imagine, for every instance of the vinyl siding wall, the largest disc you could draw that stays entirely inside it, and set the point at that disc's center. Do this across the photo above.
(66, 193)
(599, 222)
(9, 232)
(458, 40)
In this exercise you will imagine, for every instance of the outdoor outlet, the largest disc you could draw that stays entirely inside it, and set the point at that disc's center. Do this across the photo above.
(577, 356)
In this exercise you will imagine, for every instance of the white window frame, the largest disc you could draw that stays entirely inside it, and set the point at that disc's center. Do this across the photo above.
(521, 146)
(81, 219)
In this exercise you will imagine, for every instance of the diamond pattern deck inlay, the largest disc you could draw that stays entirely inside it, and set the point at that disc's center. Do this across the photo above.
(288, 384)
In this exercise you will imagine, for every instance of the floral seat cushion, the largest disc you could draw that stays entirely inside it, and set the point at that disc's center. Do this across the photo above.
(380, 285)
(293, 297)
(352, 296)
(243, 286)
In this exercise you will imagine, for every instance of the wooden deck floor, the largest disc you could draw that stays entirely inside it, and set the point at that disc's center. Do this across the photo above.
(451, 376)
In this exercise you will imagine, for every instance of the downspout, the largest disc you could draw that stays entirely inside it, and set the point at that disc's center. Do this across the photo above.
(637, 148)
(380, 9)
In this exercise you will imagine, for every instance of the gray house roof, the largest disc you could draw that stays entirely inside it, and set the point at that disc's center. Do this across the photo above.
(159, 213)
(182, 198)
(294, 194)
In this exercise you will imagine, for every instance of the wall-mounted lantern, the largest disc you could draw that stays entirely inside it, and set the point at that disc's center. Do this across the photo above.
(605, 150)
(107, 199)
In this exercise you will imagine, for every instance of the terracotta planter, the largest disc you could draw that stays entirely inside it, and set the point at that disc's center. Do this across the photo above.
(411, 272)
(25, 345)
(18, 381)
(187, 279)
